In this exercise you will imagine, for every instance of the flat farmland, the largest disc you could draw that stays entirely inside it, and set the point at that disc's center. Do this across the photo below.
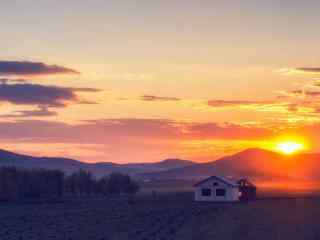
(167, 216)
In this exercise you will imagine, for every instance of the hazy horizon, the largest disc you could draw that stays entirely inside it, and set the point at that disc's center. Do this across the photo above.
(168, 158)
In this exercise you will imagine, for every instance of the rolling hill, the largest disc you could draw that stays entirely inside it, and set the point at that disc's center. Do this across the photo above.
(99, 169)
(255, 164)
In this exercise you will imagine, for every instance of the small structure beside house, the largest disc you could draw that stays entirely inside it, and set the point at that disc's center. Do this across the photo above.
(219, 189)
(247, 190)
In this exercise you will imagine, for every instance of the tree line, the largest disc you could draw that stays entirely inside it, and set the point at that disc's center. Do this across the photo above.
(19, 184)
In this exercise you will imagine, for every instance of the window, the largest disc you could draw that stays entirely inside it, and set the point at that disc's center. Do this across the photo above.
(206, 192)
(215, 184)
(220, 192)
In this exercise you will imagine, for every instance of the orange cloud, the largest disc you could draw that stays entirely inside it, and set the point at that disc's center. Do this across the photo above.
(299, 70)
(126, 139)
(236, 103)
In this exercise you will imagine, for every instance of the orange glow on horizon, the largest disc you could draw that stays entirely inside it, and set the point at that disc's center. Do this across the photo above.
(289, 147)
(289, 144)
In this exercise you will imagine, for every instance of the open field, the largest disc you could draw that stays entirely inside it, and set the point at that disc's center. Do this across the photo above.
(169, 216)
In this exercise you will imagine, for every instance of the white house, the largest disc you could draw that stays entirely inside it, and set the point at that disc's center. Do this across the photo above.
(217, 189)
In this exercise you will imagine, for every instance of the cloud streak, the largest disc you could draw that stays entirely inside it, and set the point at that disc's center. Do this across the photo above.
(306, 93)
(281, 107)
(130, 139)
(26, 68)
(42, 111)
(144, 139)
(43, 95)
(300, 70)
(309, 69)
(217, 103)
(123, 130)
(299, 93)
(152, 98)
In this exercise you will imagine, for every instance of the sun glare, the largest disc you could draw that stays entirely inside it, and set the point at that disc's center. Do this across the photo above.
(289, 147)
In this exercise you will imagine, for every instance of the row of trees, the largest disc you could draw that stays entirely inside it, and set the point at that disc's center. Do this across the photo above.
(18, 184)
(83, 183)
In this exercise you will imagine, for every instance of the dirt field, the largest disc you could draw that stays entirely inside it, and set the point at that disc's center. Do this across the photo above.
(170, 216)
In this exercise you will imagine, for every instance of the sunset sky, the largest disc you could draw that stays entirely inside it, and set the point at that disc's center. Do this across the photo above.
(127, 81)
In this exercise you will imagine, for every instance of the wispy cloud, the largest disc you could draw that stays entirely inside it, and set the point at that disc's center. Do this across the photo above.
(113, 130)
(152, 98)
(288, 102)
(298, 93)
(299, 70)
(150, 139)
(306, 93)
(144, 139)
(43, 95)
(218, 103)
(26, 68)
(309, 69)
(42, 111)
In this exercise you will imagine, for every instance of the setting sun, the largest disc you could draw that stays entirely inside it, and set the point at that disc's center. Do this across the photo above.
(289, 147)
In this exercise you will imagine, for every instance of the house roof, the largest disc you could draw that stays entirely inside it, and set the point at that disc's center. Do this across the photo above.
(224, 180)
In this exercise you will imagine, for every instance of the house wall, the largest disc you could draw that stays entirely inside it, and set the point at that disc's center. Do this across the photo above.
(232, 193)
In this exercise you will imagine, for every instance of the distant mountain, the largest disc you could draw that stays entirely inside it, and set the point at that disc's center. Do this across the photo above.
(166, 164)
(99, 169)
(255, 164)
(252, 163)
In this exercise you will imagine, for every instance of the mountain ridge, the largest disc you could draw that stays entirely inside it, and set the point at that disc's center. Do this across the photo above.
(253, 163)
(9, 158)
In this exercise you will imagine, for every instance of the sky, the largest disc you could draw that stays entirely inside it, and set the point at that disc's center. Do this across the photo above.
(140, 81)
